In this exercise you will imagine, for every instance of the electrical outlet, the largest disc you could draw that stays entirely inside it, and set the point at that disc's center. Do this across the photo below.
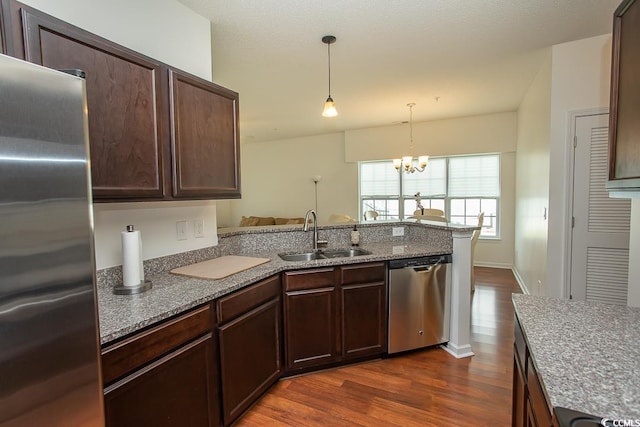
(398, 231)
(181, 230)
(198, 228)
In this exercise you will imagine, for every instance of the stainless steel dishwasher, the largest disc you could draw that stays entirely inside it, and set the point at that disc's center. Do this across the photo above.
(419, 302)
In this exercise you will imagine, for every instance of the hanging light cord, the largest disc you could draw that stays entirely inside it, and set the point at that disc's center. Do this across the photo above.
(329, 55)
(411, 127)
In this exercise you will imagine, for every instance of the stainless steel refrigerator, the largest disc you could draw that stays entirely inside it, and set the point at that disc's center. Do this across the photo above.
(49, 347)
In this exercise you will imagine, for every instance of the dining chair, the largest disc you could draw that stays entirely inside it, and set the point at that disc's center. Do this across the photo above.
(368, 215)
(474, 241)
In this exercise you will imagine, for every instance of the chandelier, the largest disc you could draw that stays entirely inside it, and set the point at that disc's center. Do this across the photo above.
(405, 164)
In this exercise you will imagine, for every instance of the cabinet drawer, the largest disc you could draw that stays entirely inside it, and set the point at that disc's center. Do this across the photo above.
(244, 300)
(130, 354)
(541, 410)
(305, 279)
(178, 389)
(363, 273)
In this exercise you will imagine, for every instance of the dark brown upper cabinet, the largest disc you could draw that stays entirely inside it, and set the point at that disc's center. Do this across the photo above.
(624, 126)
(155, 133)
(204, 138)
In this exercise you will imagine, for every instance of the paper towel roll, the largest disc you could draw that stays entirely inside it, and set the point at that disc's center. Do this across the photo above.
(132, 273)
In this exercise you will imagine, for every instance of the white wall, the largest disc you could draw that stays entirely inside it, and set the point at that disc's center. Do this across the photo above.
(579, 80)
(165, 30)
(277, 179)
(157, 224)
(532, 182)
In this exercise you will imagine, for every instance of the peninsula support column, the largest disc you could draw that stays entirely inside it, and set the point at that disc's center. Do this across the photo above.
(459, 344)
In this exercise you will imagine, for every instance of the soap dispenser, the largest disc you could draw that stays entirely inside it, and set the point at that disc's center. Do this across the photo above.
(355, 237)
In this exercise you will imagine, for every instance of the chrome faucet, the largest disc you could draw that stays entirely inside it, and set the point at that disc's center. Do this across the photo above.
(316, 242)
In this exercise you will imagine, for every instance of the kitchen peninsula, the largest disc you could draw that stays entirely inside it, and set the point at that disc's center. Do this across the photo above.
(185, 323)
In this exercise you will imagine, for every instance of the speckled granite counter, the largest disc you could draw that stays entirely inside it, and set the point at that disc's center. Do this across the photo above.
(121, 315)
(587, 354)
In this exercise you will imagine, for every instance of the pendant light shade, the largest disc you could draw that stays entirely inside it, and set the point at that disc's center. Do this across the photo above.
(329, 108)
(329, 105)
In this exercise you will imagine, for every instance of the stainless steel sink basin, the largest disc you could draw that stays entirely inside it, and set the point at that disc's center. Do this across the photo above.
(301, 256)
(342, 253)
(323, 254)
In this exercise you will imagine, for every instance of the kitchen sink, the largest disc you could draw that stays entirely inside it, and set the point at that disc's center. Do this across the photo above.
(323, 254)
(341, 253)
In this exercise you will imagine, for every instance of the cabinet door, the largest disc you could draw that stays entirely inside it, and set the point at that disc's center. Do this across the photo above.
(624, 127)
(123, 100)
(250, 357)
(176, 390)
(518, 415)
(363, 320)
(311, 328)
(204, 138)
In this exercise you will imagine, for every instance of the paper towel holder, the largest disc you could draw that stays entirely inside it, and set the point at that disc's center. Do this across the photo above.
(132, 290)
(143, 286)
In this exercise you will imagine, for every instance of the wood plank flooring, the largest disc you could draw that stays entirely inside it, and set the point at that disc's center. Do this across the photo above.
(424, 388)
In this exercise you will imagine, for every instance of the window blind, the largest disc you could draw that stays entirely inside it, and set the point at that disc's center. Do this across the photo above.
(379, 179)
(430, 183)
(474, 176)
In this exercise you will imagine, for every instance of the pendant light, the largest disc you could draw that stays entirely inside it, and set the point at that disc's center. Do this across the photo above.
(329, 105)
(405, 164)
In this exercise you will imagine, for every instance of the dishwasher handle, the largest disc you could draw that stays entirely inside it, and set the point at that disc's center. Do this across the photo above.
(423, 268)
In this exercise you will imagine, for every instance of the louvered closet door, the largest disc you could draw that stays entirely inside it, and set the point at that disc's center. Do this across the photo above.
(600, 238)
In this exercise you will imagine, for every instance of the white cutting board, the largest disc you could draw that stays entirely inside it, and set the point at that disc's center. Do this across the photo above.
(219, 268)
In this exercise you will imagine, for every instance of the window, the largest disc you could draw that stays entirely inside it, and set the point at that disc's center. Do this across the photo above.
(461, 186)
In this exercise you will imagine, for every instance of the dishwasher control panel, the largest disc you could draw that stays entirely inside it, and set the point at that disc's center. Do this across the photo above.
(420, 261)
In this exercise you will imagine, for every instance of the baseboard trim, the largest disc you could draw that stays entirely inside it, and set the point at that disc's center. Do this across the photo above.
(521, 284)
(494, 265)
(458, 351)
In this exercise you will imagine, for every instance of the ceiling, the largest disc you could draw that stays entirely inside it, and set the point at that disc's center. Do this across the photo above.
(451, 57)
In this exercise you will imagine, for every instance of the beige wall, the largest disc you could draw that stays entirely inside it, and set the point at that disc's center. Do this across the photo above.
(276, 176)
(277, 179)
(488, 133)
(165, 30)
(532, 182)
(499, 253)
(579, 80)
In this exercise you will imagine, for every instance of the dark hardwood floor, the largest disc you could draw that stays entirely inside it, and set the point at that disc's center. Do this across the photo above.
(424, 388)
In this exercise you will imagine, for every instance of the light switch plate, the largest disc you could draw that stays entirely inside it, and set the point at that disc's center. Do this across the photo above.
(398, 231)
(198, 228)
(181, 230)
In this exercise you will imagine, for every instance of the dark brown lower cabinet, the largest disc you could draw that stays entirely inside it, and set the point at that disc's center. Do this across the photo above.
(364, 310)
(530, 407)
(165, 375)
(519, 396)
(250, 344)
(311, 338)
(176, 390)
(334, 314)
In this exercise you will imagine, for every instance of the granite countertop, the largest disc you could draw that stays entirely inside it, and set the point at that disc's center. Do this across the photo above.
(587, 354)
(121, 315)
